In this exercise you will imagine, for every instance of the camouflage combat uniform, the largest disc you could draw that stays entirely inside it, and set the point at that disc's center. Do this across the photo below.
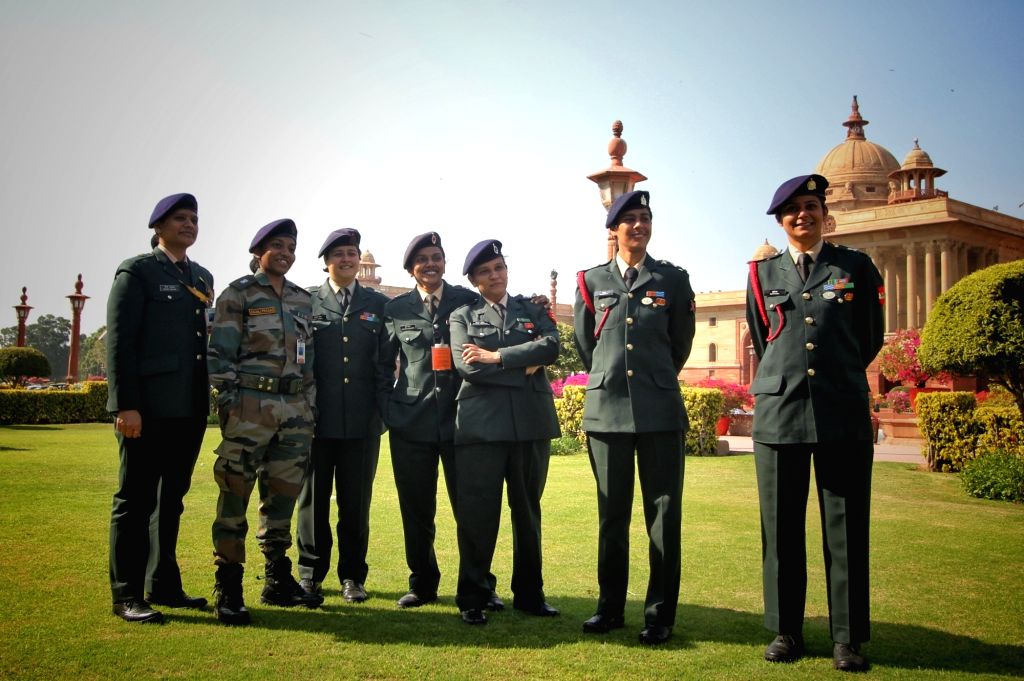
(266, 411)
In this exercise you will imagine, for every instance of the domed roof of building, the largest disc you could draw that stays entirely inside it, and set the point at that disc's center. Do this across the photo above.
(367, 258)
(765, 250)
(857, 170)
(917, 158)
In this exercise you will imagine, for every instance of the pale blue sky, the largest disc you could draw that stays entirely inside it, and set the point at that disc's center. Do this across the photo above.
(475, 119)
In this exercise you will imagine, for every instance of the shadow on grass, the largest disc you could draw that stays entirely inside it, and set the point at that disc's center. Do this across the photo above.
(895, 645)
(4, 448)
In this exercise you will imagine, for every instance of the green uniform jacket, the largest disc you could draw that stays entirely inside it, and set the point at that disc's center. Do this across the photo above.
(811, 384)
(348, 350)
(420, 406)
(257, 332)
(499, 402)
(156, 338)
(646, 339)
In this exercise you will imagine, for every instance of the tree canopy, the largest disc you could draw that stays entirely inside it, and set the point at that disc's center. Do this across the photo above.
(17, 364)
(977, 327)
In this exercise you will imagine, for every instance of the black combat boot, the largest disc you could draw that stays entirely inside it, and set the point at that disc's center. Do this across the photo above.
(228, 603)
(281, 589)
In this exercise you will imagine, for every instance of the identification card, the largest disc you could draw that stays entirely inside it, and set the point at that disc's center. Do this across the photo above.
(300, 351)
(441, 357)
(210, 312)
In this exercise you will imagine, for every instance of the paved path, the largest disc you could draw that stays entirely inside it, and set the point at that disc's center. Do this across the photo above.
(883, 452)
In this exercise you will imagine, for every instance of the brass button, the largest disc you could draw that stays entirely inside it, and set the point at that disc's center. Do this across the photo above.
(199, 334)
(199, 356)
(839, 300)
(806, 295)
(629, 373)
(345, 360)
(810, 372)
(629, 320)
(344, 339)
(631, 296)
(346, 379)
(771, 306)
(809, 346)
(809, 321)
(629, 346)
(437, 390)
(168, 297)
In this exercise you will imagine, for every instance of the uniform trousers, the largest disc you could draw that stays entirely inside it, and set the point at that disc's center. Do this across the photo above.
(155, 474)
(266, 444)
(842, 473)
(482, 468)
(660, 465)
(348, 466)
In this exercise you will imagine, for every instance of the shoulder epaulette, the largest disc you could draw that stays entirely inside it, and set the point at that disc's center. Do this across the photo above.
(243, 282)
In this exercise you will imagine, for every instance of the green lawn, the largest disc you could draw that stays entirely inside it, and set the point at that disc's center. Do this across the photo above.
(947, 585)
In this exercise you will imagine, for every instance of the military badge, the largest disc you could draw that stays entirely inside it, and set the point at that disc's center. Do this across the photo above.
(828, 295)
(811, 185)
(647, 300)
(848, 296)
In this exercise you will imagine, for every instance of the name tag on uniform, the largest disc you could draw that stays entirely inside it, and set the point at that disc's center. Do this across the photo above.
(259, 311)
(170, 288)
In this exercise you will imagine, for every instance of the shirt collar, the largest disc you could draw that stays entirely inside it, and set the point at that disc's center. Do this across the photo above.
(436, 295)
(351, 288)
(623, 266)
(815, 251)
(169, 255)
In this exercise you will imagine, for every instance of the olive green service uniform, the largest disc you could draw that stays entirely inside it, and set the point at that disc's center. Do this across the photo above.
(633, 404)
(813, 402)
(420, 413)
(346, 443)
(266, 399)
(503, 428)
(156, 359)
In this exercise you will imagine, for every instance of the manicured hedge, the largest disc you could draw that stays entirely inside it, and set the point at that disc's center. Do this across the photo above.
(569, 408)
(995, 475)
(956, 431)
(55, 406)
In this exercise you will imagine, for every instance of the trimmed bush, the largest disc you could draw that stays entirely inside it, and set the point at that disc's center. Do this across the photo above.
(17, 364)
(569, 408)
(947, 423)
(55, 406)
(703, 407)
(999, 428)
(565, 446)
(997, 475)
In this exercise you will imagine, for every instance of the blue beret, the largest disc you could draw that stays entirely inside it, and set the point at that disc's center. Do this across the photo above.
(421, 241)
(815, 185)
(170, 203)
(488, 249)
(346, 236)
(628, 201)
(283, 226)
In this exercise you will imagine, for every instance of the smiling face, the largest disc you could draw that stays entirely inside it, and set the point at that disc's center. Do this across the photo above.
(802, 218)
(342, 264)
(277, 255)
(179, 230)
(428, 268)
(491, 279)
(633, 231)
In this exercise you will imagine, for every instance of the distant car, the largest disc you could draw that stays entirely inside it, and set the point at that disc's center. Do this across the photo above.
(58, 386)
(36, 386)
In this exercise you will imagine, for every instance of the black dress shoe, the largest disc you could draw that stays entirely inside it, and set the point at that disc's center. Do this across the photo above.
(178, 600)
(474, 616)
(846, 658)
(137, 611)
(542, 610)
(495, 604)
(602, 624)
(785, 648)
(310, 587)
(353, 592)
(654, 634)
(414, 600)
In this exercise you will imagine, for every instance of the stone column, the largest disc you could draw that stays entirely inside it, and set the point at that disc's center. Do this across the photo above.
(962, 261)
(945, 265)
(929, 279)
(911, 287)
(889, 274)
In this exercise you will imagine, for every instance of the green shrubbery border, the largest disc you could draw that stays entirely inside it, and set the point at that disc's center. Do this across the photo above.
(89, 403)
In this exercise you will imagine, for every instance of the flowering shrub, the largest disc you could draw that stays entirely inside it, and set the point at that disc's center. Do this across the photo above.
(898, 360)
(734, 395)
(899, 400)
(559, 384)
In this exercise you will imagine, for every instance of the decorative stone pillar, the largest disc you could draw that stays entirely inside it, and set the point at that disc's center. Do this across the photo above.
(891, 305)
(962, 262)
(929, 279)
(912, 322)
(945, 265)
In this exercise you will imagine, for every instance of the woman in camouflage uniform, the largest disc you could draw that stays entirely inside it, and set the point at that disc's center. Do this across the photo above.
(261, 363)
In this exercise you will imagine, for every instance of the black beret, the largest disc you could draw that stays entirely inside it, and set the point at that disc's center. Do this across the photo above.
(283, 226)
(488, 249)
(172, 202)
(346, 236)
(628, 201)
(421, 241)
(814, 185)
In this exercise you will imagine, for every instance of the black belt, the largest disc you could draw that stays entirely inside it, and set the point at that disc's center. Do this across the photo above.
(270, 384)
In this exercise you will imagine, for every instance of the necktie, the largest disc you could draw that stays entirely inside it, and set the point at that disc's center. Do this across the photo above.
(630, 277)
(500, 309)
(431, 306)
(803, 266)
(343, 299)
(183, 266)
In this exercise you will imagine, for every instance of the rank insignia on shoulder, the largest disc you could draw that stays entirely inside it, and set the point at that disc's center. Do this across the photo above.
(260, 311)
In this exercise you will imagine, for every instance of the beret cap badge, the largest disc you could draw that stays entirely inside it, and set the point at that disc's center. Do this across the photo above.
(811, 185)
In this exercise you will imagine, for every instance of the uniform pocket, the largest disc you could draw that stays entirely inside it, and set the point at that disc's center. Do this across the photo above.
(768, 385)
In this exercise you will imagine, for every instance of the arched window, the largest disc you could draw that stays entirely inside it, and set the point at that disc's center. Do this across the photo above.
(712, 353)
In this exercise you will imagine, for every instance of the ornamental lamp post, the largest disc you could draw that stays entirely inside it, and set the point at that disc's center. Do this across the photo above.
(22, 312)
(77, 303)
(616, 179)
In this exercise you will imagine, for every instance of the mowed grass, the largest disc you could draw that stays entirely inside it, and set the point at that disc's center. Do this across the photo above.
(947, 585)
